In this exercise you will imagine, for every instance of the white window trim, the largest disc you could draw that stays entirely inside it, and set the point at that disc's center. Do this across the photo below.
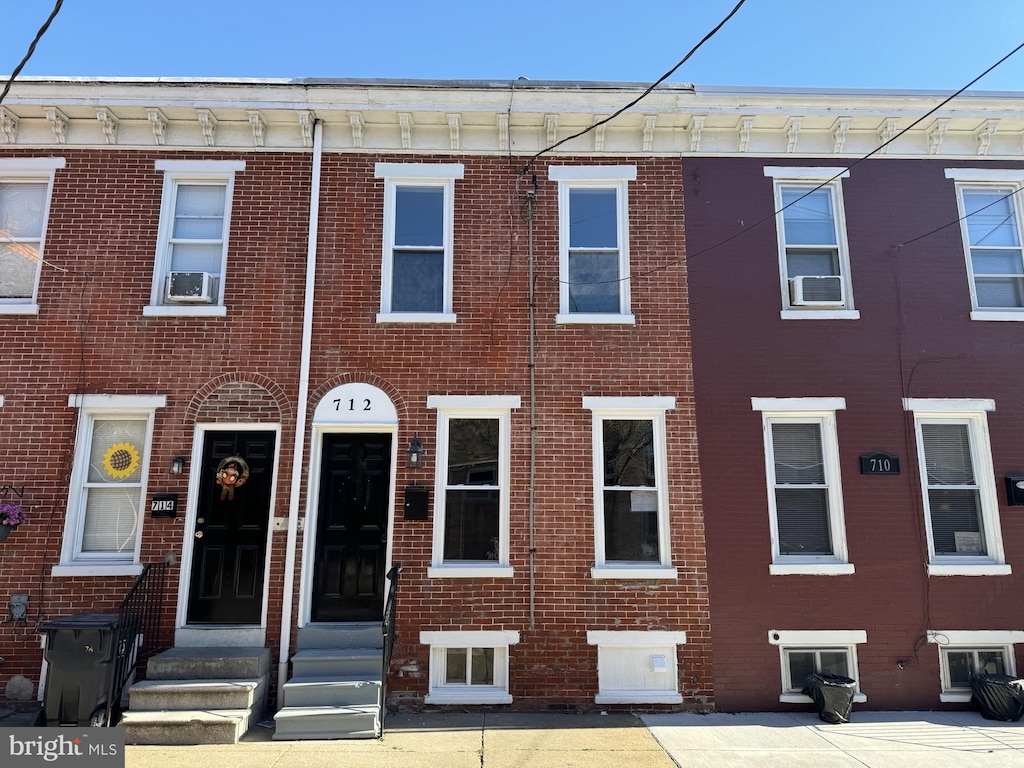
(90, 407)
(822, 410)
(968, 640)
(598, 176)
(633, 639)
(652, 408)
(32, 169)
(973, 413)
(466, 407)
(439, 641)
(845, 639)
(831, 179)
(442, 175)
(980, 177)
(176, 172)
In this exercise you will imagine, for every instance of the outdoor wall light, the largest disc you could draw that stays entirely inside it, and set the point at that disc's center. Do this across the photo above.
(414, 454)
(177, 465)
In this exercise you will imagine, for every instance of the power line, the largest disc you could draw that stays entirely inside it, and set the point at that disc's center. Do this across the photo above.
(639, 98)
(31, 49)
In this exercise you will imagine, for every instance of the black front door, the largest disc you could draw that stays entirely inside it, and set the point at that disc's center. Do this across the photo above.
(232, 517)
(351, 531)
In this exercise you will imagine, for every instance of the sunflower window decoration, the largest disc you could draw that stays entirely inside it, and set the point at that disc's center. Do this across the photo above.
(232, 473)
(121, 460)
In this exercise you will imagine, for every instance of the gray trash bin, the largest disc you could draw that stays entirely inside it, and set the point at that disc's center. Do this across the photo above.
(81, 657)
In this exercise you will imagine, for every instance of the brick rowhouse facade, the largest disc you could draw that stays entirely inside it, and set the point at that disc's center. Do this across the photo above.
(96, 333)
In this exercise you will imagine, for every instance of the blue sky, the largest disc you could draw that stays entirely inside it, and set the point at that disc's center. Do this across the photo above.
(903, 44)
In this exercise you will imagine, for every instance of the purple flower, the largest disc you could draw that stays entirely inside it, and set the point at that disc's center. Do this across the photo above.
(11, 513)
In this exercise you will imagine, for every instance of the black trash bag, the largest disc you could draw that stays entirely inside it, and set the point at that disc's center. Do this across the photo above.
(833, 696)
(998, 697)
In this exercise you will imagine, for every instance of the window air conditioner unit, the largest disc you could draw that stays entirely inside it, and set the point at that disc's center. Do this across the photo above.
(196, 287)
(816, 291)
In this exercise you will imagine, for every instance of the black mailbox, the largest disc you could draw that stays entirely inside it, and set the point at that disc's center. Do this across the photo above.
(416, 502)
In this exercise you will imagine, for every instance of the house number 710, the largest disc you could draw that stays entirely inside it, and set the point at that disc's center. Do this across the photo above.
(352, 404)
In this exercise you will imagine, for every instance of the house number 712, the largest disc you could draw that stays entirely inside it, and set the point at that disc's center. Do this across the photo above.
(352, 404)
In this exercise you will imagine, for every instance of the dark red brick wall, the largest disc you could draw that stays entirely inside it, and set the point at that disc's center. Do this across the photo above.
(914, 338)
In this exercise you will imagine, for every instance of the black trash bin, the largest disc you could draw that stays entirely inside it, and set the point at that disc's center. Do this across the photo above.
(833, 696)
(81, 654)
(998, 697)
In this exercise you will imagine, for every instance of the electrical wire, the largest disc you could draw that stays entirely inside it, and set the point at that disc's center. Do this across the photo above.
(525, 169)
(31, 49)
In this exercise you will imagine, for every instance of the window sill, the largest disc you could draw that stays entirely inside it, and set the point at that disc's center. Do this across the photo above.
(969, 569)
(596, 318)
(1012, 316)
(820, 314)
(811, 569)
(163, 310)
(470, 572)
(97, 569)
(958, 697)
(799, 698)
(639, 697)
(468, 697)
(19, 309)
(633, 572)
(416, 317)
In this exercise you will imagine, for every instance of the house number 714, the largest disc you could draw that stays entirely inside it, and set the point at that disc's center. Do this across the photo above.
(351, 404)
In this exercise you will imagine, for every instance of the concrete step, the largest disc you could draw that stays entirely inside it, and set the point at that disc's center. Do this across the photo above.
(217, 726)
(294, 723)
(335, 691)
(200, 694)
(204, 663)
(333, 662)
(366, 634)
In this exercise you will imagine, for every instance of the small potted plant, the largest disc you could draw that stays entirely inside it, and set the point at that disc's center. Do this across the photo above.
(11, 516)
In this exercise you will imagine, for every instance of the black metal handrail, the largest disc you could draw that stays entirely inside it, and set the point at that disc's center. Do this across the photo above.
(388, 629)
(138, 635)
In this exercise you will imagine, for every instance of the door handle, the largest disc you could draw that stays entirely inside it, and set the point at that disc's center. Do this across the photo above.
(199, 534)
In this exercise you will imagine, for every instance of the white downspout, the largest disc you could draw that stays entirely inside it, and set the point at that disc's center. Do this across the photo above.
(300, 414)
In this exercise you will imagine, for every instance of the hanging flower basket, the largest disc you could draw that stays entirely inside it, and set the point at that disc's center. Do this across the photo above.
(11, 516)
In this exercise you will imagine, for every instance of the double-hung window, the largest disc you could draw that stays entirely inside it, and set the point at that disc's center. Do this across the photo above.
(593, 240)
(26, 185)
(102, 534)
(992, 214)
(192, 243)
(630, 487)
(963, 653)
(469, 667)
(803, 653)
(814, 260)
(805, 499)
(471, 511)
(419, 215)
(958, 484)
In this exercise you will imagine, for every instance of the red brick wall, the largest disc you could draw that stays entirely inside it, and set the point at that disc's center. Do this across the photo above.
(914, 338)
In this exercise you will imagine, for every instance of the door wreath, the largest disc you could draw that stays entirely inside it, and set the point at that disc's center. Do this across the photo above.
(232, 473)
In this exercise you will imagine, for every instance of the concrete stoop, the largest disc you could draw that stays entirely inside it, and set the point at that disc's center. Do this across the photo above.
(335, 688)
(198, 696)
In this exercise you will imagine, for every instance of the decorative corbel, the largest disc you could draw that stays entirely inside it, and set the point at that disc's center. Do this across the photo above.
(792, 134)
(355, 119)
(551, 128)
(405, 122)
(746, 123)
(159, 121)
(58, 122)
(209, 125)
(306, 121)
(648, 131)
(503, 137)
(840, 129)
(984, 135)
(599, 133)
(696, 126)
(454, 124)
(935, 134)
(886, 133)
(258, 126)
(109, 123)
(9, 125)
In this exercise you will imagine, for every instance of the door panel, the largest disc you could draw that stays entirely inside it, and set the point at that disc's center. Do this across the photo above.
(351, 536)
(230, 542)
